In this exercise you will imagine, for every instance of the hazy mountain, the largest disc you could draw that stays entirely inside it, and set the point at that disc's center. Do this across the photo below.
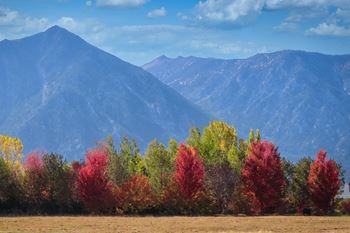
(59, 93)
(299, 100)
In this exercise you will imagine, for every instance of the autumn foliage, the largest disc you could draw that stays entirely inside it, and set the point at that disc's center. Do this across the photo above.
(35, 181)
(263, 176)
(185, 191)
(11, 149)
(135, 195)
(94, 188)
(34, 161)
(189, 174)
(323, 181)
(214, 172)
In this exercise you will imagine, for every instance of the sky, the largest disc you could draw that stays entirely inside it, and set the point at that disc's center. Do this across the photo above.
(138, 31)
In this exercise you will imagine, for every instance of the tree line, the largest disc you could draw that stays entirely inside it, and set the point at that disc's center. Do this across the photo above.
(212, 172)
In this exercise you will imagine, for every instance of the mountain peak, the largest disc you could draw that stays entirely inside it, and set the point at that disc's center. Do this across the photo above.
(56, 28)
(162, 57)
(61, 35)
(53, 33)
(60, 32)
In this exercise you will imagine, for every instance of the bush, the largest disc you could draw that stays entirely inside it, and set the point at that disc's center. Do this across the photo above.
(134, 196)
(346, 206)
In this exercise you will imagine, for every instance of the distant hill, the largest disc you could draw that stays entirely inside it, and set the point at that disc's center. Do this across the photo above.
(299, 100)
(59, 93)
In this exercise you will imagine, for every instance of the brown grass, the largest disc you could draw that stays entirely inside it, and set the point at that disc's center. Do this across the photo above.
(268, 224)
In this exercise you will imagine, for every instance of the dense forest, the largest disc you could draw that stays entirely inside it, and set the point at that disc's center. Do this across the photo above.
(212, 172)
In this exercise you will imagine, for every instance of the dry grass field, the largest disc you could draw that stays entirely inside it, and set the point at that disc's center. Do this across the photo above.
(278, 224)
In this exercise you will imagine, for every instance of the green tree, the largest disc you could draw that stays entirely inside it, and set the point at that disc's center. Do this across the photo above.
(258, 136)
(159, 166)
(243, 149)
(288, 172)
(124, 163)
(217, 144)
(57, 173)
(131, 157)
(172, 149)
(251, 136)
(194, 139)
(117, 173)
(300, 195)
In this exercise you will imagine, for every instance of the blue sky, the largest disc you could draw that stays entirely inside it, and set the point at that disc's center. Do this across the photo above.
(141, 30)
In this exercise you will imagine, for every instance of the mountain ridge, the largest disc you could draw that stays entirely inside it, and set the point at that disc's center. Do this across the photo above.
(300, 100)
(63, 94)
(163, 56)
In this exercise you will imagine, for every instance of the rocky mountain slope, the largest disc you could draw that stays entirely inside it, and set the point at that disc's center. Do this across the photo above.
(300, 100)
(61, 94)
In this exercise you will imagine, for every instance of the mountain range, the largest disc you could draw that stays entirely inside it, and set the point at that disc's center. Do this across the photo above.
(299, 100)
(58, 93)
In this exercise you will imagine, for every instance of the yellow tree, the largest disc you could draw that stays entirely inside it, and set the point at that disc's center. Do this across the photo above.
(219, 143)
(11, 149)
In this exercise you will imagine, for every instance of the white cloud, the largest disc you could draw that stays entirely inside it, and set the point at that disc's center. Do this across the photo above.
(235, 12)
(90, 29)
(15, 25)
(344, 13)
(18, 25)
(223, 48)
(138, 43)
(296, 16)
(7, 16)
(88, 3)
(325, 29)
(121, 3)
(154, 40)
(227, 11)
(68, 22)
(161, 12)
(287, 27)
(182, 16)
(152, 28)
(283, 4)
(342, 16)
(30, 23)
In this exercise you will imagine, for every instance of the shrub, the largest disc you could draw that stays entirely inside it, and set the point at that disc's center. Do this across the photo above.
(135, 195)
(346, 206)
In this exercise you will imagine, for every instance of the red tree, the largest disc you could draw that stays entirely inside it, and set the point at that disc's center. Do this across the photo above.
(135, 195)
(35, 180)
(94, 189)
(262, 176)
(323, 181)
(189, 174)
(34, 161)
